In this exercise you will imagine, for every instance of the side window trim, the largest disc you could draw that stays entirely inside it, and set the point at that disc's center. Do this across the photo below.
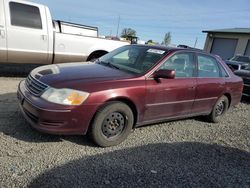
(196, 71)
(222, 68)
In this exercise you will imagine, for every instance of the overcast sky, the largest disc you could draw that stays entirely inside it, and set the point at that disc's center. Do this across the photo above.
(151, 19)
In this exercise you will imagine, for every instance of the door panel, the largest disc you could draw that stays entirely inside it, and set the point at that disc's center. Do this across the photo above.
(172, 97)
(210, 84)
(169, 98)
(27, 33)
(207, 92)
(3, 45)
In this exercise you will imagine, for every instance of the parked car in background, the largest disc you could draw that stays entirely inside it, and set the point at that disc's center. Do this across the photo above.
(238, 62)
(29, 35)
(245, 75)
(131, 86)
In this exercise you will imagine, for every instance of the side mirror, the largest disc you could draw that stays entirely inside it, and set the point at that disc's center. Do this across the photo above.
(170, 74)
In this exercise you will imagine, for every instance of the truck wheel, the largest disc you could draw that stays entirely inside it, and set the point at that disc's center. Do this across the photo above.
(95, 55)
(219, 109)
(93, 59)
(112, 124)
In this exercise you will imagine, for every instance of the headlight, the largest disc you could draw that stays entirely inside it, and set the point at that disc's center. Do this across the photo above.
(65, 96)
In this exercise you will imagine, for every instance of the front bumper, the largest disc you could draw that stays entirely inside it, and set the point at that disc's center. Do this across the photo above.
(53, 118)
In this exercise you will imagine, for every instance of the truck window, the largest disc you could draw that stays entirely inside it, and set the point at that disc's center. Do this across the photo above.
(25, 15)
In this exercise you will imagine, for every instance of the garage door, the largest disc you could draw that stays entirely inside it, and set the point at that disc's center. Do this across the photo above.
(223, 47)
(247, 52)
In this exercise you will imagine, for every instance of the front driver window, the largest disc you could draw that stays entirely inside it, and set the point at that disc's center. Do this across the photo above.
(182, 63)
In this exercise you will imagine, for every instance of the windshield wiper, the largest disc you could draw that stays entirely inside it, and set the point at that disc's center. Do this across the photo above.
(109, 64)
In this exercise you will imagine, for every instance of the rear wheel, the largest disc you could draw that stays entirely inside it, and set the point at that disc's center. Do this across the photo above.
(112, 124)
(219, 109)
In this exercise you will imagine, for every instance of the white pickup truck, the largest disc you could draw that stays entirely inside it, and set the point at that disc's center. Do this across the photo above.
(29, 35)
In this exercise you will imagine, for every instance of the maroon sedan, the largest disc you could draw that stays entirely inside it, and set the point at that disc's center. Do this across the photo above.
(129, 87)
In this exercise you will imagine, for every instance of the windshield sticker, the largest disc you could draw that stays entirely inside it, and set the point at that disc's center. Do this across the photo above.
(155, 51)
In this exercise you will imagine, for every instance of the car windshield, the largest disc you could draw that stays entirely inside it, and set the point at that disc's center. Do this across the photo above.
(133, 59)
(241, 59)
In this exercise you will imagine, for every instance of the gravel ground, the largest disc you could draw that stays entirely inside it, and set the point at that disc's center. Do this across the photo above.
(181, 153)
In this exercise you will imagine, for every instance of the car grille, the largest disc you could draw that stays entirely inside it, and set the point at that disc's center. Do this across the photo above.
(35, 86)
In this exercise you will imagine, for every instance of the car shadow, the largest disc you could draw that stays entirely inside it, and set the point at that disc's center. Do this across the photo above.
(16, 70)
(185, 164)
(13, 124)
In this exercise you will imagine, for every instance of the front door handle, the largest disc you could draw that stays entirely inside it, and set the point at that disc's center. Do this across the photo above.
(192, 88)
(44, 37)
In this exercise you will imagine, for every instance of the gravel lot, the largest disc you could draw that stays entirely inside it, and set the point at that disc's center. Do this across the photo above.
(182, 153)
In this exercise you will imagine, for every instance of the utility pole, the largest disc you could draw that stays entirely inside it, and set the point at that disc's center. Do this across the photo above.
(196, 40)
(118, 25)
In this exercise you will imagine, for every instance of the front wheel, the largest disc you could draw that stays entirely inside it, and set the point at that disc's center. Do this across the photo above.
(219, 109)
(112, 124)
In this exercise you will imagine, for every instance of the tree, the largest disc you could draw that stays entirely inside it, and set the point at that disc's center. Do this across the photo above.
(151, 42)
(128, 33)
(167, 39)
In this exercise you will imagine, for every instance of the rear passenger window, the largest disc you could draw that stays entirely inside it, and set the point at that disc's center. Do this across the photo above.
(207, 67)
(182, 63)
(25, 15)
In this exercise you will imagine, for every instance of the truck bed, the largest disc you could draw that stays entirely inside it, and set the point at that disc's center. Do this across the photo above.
(73, 28)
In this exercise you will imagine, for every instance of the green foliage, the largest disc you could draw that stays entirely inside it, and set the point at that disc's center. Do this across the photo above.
(167, 39)
(128, 33)
(151, 42)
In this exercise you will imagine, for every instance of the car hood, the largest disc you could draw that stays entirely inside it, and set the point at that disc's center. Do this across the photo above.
(68, 74)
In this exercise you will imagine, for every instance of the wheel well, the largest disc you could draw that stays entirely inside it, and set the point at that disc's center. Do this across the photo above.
(229, 98)
(123, 100)
(96, 54)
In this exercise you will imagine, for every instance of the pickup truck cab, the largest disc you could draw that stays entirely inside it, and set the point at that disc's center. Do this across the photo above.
(29, 35)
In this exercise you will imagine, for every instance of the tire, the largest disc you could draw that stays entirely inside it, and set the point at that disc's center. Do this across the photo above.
(95, 55)
(112, 124)
(93, 59)
(219, 109)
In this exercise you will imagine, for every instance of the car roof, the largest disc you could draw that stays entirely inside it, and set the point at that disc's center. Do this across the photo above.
(161, 47)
